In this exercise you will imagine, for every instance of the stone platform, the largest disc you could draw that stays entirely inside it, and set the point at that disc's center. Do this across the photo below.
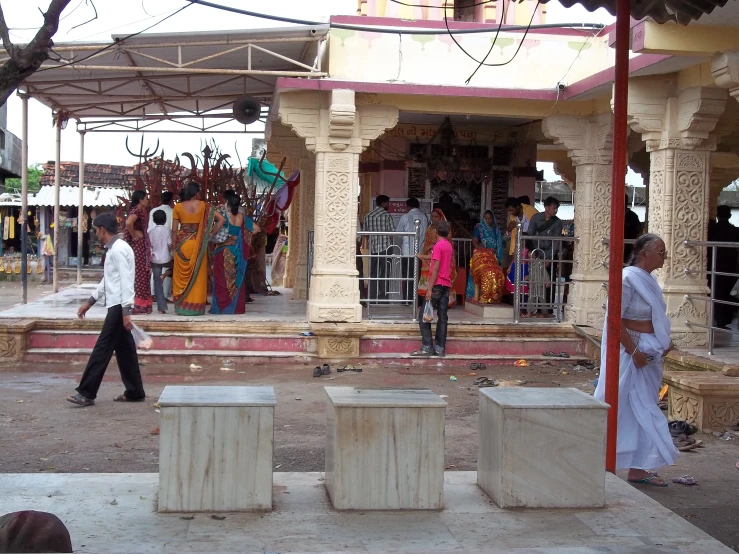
(489, 311)
(273, 327)
(103, 513)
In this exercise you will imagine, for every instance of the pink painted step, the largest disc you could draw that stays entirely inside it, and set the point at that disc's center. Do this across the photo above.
(506, 347)
(179, 343)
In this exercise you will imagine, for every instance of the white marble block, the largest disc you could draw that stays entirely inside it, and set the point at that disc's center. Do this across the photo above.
(489, 311)
(385, 449)
(542, 448)
(215, 449)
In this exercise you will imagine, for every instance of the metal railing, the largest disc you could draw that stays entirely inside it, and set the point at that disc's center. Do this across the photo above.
(540, 282)
(721, 285)
(393, 277)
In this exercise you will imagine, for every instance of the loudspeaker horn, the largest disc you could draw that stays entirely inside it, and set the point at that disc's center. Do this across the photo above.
(247, 109)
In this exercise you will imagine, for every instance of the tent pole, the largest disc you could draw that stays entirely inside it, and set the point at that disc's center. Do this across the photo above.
(81, 208)
(618, 207)
(57, 184)
(24, 198)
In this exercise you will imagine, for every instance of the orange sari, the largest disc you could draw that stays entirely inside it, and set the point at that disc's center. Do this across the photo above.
(190, 273)
(430, 239)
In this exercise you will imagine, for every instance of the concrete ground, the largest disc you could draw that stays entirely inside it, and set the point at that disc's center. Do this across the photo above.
(43, 434)
(116, 513)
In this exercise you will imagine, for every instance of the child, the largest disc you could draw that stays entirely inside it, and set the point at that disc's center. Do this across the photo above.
(440, 281)
(161, 257)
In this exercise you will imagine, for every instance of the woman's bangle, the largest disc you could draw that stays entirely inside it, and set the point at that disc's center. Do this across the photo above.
(635, 350)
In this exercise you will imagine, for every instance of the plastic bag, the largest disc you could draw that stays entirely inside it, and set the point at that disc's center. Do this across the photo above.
(428, 312)
(141, 338)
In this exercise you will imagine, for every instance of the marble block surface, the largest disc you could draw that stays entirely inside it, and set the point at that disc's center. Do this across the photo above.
(215, 449)
(384, 449)
(542, 448)
(489, 311)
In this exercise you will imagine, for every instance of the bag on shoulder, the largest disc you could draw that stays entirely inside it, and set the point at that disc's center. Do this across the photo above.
(222, 233)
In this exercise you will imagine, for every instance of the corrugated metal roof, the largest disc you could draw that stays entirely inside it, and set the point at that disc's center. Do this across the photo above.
(69, 196)
(662, 11)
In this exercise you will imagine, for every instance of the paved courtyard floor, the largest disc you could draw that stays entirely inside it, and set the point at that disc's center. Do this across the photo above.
(115, 513)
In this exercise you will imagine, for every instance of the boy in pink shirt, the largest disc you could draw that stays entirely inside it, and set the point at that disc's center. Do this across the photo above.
(440, 273)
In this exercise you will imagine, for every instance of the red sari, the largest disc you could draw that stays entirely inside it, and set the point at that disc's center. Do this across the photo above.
(142, 254)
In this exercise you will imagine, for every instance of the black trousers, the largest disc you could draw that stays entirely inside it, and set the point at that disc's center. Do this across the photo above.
(113, 338)
(440, 302)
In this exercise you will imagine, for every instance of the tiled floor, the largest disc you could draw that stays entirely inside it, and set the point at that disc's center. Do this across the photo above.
(64, 304)
(116, 513)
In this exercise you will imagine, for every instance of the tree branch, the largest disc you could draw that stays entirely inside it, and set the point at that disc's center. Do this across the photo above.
(5, 32)
(24, 61)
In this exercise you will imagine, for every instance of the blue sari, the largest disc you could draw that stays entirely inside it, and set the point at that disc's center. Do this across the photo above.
(229, 270)
(487, 237)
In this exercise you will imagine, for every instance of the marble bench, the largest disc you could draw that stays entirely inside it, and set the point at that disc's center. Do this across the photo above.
(385, 449)
(542, 448)
(215, 451)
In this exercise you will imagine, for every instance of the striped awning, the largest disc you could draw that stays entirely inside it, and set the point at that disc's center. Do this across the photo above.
(662, 11)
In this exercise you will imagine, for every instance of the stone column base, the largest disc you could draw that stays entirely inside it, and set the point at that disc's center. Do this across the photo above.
(338, 341)
(705, 399)
(13, 333)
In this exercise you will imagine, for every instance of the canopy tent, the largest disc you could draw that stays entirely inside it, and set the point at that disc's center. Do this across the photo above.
(69, 196)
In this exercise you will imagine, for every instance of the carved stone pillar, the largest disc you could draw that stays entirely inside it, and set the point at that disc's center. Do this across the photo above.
(337, 134)
(307, 193)
(589, 142)
(283, 143)
(677, 127)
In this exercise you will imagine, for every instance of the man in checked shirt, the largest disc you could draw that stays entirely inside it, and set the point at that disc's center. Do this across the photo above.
(379, 220)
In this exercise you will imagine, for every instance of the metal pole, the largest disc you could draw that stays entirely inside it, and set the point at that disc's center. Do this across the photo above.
(57, 184)
(80, 208)
(417, 241)
(24, 198)
(517, 276)
(618, 190)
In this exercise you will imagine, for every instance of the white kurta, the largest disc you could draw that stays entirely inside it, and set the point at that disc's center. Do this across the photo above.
(644, 440)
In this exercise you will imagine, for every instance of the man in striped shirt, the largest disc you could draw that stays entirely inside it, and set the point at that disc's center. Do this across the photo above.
(379, 220)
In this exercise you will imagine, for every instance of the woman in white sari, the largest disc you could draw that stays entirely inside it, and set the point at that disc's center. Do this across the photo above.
(644, 443)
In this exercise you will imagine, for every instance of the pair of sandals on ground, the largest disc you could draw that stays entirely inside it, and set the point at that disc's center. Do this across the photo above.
(83, 401)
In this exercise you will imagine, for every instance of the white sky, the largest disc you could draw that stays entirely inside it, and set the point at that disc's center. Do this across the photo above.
(128, 16)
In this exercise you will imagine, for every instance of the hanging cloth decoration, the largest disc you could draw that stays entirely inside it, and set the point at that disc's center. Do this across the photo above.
(6, 227)
(11, 231)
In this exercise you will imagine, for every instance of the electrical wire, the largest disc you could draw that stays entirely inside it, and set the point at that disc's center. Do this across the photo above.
(393, 31)
(495, 39)
(482, 62)
(117, 42)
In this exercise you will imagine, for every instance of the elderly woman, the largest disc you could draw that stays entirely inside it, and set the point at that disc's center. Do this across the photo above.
(137, 235)
(644, 443)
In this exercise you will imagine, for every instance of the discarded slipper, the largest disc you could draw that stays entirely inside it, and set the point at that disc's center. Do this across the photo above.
(475, 366)
(421, 353)
(550, 354)
(678, 428)
(685, 480)
(317, 372)
(521, 363)
(563, 355)
(326, 369)
(484, 382)
(690, 445)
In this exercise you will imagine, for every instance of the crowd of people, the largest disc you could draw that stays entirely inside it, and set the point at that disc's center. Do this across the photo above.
(202, 248)
(492, 267)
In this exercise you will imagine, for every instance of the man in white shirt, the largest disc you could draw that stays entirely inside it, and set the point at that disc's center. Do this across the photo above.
(116, 291)
(407, 223)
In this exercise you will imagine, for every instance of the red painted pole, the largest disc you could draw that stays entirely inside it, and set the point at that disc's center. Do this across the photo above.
(618, 191)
